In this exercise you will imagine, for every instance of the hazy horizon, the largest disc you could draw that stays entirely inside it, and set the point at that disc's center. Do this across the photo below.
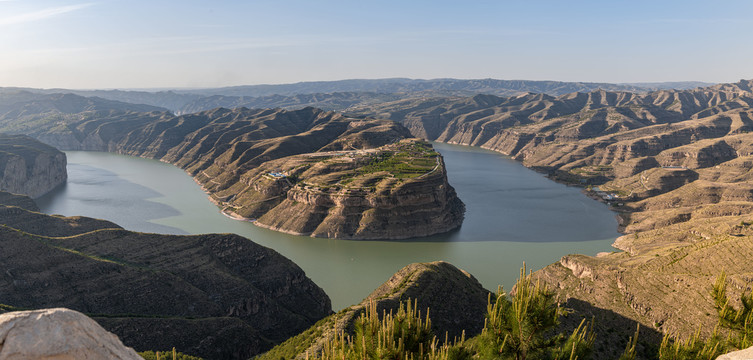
(118, 44)
(157, 89)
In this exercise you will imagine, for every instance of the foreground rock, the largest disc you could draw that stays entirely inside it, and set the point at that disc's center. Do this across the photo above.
(456, 301)
(157, 291)
(29, 167)
(59, 334)
(745, 354)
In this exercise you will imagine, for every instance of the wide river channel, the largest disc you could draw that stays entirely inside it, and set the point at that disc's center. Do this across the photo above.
(513, 215)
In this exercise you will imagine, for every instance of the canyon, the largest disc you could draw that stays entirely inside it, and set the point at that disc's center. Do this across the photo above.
(673, 164)
(316, 155)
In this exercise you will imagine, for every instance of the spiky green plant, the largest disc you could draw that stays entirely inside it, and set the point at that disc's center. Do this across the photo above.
(630, 350)
(578, 345)
(739, 321)
(405, 334)
(694, 348)
(521, 327)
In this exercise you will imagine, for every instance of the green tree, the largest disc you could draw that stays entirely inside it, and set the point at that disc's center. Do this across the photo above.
(521, 326)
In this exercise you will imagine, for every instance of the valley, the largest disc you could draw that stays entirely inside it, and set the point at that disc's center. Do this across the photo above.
(392, 180)
(672, 164)
(518, 215)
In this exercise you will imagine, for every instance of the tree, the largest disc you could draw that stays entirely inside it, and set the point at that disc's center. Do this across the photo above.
(520, 326)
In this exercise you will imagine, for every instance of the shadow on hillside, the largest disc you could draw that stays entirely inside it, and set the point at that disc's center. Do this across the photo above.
(612, 331)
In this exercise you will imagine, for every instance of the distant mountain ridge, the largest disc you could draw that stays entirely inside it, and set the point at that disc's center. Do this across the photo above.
(185, 101)
(21, 102)
(404, 85)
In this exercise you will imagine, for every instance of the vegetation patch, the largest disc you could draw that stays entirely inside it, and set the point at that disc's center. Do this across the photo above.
(166, 355)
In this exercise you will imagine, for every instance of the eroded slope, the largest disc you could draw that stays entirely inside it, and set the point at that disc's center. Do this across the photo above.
(232, 152)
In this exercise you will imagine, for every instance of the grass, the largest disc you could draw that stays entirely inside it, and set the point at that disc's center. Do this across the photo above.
(400, 161)
(406, 161)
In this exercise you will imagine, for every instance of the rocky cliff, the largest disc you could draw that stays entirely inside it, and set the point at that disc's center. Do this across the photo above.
(157, 291)
(394, 191)
(456, 300)
(318, 189)
(29, 167)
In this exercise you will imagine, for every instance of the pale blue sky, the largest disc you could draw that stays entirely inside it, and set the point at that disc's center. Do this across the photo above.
(142, 44)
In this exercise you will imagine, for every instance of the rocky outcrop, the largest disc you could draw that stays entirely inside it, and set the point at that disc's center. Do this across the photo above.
(59, 334)
(455, 300)
(396, 191)
(157, 290)
(231, 152)
(29, 167)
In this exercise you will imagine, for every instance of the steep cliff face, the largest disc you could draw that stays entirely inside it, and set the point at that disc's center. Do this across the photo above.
(395, 191)
(232, 152)
(157, 291)
(29, 167)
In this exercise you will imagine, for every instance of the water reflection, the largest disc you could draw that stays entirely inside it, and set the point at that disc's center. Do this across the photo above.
(95, 192)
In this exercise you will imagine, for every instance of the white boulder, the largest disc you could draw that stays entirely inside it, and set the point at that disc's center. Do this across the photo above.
(745, 354)
(58, 334)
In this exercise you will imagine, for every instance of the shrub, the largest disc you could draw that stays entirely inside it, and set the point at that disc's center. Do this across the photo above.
(402, 335)
(521, 326)
(166, 355)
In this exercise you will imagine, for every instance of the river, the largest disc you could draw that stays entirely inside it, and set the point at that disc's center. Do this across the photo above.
(513, 215)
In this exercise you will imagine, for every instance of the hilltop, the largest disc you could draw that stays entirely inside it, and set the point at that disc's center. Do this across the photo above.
(456, 300)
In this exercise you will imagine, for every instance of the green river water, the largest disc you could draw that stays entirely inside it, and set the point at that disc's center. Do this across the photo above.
(513, 215)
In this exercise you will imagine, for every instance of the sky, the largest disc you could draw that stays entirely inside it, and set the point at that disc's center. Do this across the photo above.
(126, 44)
